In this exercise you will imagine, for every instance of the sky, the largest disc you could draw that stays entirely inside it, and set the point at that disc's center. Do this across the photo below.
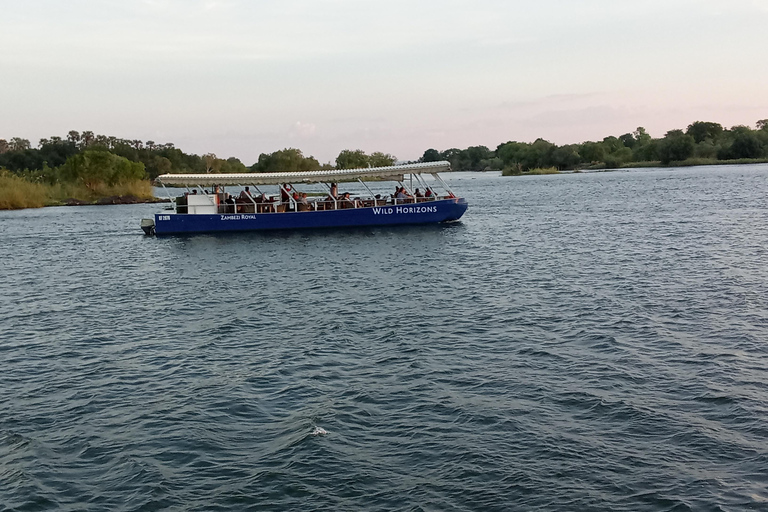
(240, 78)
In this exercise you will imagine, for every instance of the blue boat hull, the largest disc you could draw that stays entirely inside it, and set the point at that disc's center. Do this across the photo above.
(420, 213)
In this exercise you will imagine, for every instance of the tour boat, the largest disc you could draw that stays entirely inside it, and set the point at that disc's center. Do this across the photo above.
(307, 199)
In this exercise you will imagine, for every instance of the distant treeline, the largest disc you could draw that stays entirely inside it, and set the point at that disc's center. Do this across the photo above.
(701, 142)
(89, 159)
(78, 156)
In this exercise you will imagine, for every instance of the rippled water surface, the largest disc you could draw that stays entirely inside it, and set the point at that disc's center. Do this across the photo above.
(577, 342)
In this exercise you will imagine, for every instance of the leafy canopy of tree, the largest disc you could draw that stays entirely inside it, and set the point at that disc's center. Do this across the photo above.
(93, 168)
(358, 159)
(285, 160)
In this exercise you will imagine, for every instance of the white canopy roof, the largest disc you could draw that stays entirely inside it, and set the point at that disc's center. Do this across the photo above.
(391, 173)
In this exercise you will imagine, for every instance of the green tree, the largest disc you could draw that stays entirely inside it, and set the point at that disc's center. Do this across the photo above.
(348, 159)
(641, 136)
(212, 162)
(645, 146)
(746, 144)
(538, 154)
(628, 139)
(285, 160)
(73, 137)
(592, 152)
(618, 157)
(612, 144)
(566, 157)
(56, 151)
(95, 167)
(233, 165)
(675, 146)
(511, 153)
(19, 144)
(430, 155)
(379, 159)
(160, 165)
(453, 156)
(87, 138)
(476, 158)
(705, 149)
(701, 131)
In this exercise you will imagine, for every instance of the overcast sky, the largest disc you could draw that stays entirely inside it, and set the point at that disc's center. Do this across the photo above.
(238, 78)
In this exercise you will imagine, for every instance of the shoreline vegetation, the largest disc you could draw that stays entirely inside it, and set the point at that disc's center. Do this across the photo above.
(18, 193)
(97, 169)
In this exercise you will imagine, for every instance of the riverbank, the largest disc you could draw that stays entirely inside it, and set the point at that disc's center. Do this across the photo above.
(17, 193)
(690, 162)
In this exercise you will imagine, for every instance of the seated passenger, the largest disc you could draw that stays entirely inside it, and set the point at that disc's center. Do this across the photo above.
(229, 203)
(418, 193)
(245, 194)
(346, 201)
(428, 193)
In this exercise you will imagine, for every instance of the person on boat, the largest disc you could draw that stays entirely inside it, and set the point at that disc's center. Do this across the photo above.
(194, 191)
(302, 204)
(346, 201)
(332, 195)
(401, 194)
(418, 193)
(246, 194)
(285, 193)
(428, 193)
(229, 201)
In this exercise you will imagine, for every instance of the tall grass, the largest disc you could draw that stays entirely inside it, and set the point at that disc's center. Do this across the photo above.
(544, 170)
(64, 191)
(517, 171)
(17, 192)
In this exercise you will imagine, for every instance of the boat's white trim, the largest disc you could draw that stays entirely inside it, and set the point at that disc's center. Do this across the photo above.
(392, 173)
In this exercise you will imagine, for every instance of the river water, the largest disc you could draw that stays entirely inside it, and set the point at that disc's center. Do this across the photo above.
(578, 342)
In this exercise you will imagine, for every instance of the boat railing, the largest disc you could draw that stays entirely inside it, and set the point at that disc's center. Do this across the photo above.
(251, 205)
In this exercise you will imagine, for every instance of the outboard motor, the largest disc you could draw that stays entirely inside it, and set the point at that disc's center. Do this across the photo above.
(148, 226)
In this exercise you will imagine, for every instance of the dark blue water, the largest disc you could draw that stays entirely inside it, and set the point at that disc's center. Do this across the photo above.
(577, 342)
